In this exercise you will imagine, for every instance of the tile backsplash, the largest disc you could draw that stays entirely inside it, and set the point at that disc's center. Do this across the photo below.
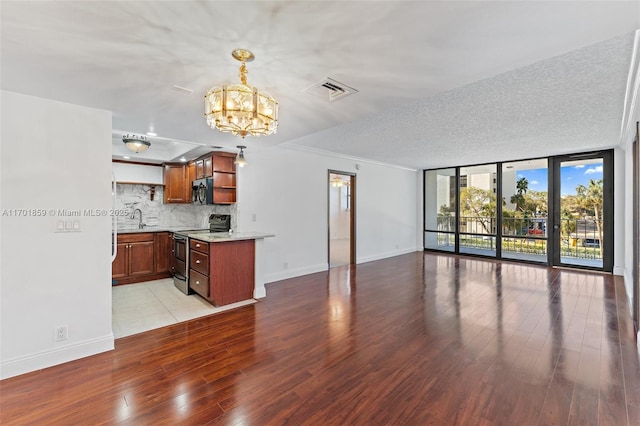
(157, 215)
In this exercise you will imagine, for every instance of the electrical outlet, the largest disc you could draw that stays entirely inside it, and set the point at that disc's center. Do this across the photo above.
(253, 217)
(61, 333)
(285, 265)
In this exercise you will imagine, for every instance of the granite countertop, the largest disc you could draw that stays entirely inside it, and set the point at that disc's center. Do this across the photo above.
(157, 229)
(202, 235)
(221, 237)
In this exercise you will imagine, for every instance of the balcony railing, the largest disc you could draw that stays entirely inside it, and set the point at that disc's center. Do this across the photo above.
(579, 238)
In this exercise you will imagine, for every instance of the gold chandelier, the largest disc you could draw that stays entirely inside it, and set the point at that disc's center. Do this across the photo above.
(241, 109)
(337, 182)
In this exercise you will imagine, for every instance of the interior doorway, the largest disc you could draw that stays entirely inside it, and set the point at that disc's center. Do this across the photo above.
(341, 218)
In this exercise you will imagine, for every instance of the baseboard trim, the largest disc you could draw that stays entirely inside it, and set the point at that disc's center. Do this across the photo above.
(322, 267)
(59, 355)
(387, 255)
(292, 273)
(618, 270)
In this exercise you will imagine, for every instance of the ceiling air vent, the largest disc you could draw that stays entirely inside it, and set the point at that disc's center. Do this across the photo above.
(330, 90)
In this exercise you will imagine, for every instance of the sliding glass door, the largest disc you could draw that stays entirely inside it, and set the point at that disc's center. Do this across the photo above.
(583, 200)
(525, 194)
(440, 209)
(556, 210)
(477, 194)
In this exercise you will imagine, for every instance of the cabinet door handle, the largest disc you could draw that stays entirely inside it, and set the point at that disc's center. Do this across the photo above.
(197, 262)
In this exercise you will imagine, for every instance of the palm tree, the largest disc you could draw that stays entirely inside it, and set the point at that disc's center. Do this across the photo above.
(522, 185)
(590, 199)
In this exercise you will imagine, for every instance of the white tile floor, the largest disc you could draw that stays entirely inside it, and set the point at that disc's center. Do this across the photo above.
(339, 252)
(154, 304)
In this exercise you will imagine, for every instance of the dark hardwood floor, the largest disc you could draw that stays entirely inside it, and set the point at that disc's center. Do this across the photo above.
(418, 339)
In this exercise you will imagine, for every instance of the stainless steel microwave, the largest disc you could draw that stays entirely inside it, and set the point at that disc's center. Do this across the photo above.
(202, 191)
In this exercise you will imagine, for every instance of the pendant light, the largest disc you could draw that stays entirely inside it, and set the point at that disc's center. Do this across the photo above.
(240, 160)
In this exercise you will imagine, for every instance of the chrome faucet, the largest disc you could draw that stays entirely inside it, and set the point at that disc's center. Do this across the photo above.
(133, 216)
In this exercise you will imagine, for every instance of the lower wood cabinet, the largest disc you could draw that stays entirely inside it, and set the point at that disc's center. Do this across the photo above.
(141, 257)
(162, 251)
(227, 268)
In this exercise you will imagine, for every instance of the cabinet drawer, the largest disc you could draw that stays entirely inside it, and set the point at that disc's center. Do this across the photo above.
(135, 237)
(199, 262)
(199, 283)
(201, 246)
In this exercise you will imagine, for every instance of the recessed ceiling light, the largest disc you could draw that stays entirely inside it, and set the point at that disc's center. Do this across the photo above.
(183, 159)
(125, 157)
(152, 134)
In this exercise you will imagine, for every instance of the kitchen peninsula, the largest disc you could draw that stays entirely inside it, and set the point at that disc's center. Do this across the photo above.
(224, 267)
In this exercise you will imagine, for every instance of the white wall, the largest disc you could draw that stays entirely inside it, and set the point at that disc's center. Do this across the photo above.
(620, 233)
(54, 156)
(286, 189)
(625, 198)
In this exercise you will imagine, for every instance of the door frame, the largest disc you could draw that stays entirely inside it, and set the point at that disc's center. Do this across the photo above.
(554, 238)
(352, 215)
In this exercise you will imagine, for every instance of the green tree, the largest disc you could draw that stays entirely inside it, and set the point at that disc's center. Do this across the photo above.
(479, 205)
(590, 201)
(522, 185)
(446, 215)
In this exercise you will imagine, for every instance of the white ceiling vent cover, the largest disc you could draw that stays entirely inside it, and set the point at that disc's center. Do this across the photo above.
(330, 90)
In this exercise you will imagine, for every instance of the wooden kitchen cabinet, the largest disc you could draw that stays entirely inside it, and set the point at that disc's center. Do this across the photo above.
(137, 258)
(224, 178)
(228, 268)
(208, 169)
(204, 167)
(199, 169)
(120, 266)
(224, 162)
(141, 258)
(222, 168)
(177, 187)
(162, 251)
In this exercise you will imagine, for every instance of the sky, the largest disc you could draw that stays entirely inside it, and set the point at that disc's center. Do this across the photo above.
(570, 177)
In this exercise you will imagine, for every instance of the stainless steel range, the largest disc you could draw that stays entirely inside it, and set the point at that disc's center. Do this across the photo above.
(180, 261)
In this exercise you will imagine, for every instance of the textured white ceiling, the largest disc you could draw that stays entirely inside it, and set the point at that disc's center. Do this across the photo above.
(463, 81)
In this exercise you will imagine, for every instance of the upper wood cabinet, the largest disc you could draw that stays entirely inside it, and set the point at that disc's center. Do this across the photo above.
(177, 186)
(204, 167)
(224, 162)
(220, 166)
(199, 169)
(208, 171)
(224, 178)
